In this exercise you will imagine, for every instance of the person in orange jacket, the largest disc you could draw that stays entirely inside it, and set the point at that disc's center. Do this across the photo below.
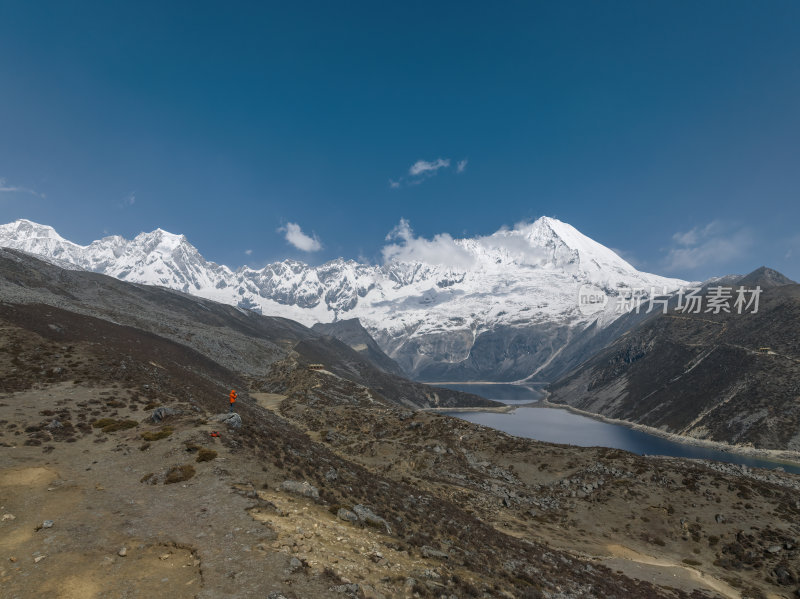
(233, 395)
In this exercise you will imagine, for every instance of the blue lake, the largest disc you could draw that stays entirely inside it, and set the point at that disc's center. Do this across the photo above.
(561, 426)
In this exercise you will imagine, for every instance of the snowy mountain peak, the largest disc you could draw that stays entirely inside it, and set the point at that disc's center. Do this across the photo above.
(432, 299)
(29, 229)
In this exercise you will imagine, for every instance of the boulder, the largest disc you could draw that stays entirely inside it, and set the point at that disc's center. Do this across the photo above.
(295, 564)
(350, 589)
(428, 551)
(162, 413)
(784, 576)
(367, 516)
(346, 515)
(231, 419)
(303, 488)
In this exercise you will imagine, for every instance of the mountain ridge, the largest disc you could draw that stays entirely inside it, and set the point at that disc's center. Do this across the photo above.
(724, 377)
(495, 307)
(241, 340)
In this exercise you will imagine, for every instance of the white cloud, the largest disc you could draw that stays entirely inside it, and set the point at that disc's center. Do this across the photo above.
(296, 237)
(421, 167)
(515, 245)
(712, 245)
(5, 188)
(461, 166)
(422, 170)
(248, 252)
(441, 250)
(129, 200)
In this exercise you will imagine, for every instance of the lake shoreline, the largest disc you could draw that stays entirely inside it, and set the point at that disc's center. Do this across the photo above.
(778, 456)
(499, 410)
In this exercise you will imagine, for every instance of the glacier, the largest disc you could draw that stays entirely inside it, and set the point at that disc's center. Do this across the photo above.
(499, 312)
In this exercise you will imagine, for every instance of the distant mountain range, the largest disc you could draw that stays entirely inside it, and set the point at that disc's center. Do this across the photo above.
(231, 346)
(502, 307)
(726, 377)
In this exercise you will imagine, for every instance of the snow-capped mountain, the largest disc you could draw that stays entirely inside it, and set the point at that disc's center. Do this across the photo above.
(497, 307)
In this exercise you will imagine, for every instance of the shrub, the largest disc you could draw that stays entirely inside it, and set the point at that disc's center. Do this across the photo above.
(206, 455)
(178, 474)
(159, 434)
(110, 425)
(692, 562)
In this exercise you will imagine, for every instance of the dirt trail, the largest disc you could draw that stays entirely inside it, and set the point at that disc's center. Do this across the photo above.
(268, 401)
(620, 552)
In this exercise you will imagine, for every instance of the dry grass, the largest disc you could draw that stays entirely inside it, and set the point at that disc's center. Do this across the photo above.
(110, 425)
(206, 455)
(159, 434)
(178, 474)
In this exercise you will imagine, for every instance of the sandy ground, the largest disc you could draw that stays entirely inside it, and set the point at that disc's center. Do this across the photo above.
(189, 539)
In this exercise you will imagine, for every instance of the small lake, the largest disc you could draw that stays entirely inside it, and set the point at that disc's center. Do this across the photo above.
(555, 425)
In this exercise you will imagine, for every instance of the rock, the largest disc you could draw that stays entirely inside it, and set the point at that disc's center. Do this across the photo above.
(367, 516)
(8, 517)
(295, 564)
(122, 552)
(345, 588)
(55, 424)
(163, 413)
(346, 515)
(232, 419)
(276, 595)
(38, 558)
(45, 524)
(774, 549)
(331, 475)
(719, 518)
(784, 577)
(428, 551)
(300, 488)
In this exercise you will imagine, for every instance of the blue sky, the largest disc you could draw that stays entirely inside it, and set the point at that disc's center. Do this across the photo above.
(666, 130)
